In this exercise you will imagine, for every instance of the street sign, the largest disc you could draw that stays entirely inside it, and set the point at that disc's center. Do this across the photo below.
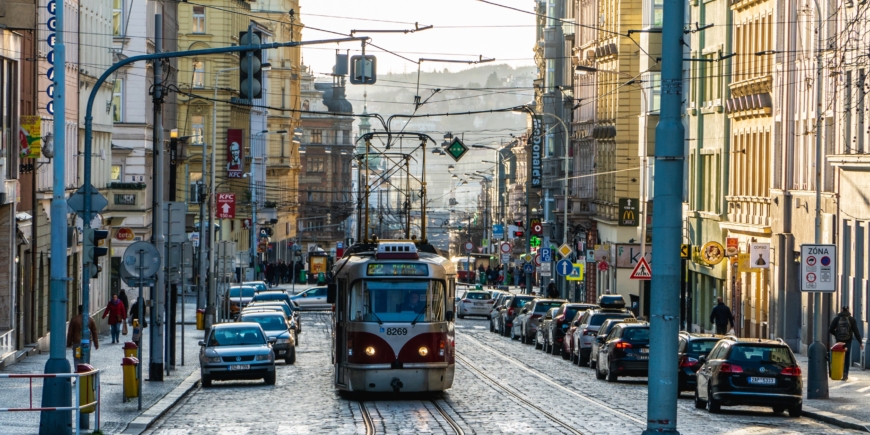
(545, 267)
(642, 270)
(628, 214)
(457, 149)
(538, 260)
(505, 248)
(469, 246)
(577, 272)
(546, 255)
(150, 260)
(76, 202)
(498, 231)
(685, 251)
(505, 258)
(226, 206)
(590, 255)
(564, 267)
(528, 268)
(527, 258)
(818, 267)
(565, 250)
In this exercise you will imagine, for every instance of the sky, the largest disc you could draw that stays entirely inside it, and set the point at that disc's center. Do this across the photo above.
(463, 30)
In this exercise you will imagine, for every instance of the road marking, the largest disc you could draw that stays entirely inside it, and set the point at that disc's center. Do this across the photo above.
(863, 389)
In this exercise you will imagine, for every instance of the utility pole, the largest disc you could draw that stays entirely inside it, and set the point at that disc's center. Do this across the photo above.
(57, 392)
(155, 356)
(668, 198)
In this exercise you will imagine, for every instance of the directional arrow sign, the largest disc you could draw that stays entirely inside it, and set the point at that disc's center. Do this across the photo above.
(564, 267)
(226, 205)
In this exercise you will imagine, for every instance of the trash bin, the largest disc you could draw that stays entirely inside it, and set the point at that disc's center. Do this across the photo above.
(131, 350)
(838, 359)
(87, 388)
(303, 277)
(200, 319)
(131, 382)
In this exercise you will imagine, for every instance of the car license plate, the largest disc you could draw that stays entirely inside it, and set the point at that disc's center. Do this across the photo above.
(762, 381)
(477, 304)
(240, 367)
(644, 350)
(642, 357)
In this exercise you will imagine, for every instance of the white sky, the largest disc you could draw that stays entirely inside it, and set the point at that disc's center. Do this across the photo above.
(481, 29)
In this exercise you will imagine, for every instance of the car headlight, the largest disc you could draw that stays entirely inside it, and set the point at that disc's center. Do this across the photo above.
(423, 351)
(282, 340)
(266, 357)
(370, 351)
(213, 359)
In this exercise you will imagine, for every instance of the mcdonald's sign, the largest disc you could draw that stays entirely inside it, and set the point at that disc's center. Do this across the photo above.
(628, 214)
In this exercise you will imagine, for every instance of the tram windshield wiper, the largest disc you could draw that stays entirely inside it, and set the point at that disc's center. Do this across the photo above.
(380, 322)
(419, 314)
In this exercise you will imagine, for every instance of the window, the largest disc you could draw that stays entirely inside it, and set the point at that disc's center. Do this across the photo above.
(118, 101)
(197, 125)
(316, 136)
(653, 13)
(198, 19)
(652, 83)
(316, 164)
(118, 18)
(394, 301)
(551, 75)
(198, 74)
(117, 174)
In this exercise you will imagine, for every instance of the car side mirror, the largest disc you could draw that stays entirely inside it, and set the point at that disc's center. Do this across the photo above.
(201, 343)
(273, 340)
(449, 316)
(331, 292)
(304, 295)
(599, 340)
(702, 359)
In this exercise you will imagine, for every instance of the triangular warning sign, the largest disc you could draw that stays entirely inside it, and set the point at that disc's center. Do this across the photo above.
(642, 270)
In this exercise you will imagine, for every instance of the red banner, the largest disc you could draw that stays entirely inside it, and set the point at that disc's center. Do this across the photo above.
(226, 206)
(235, 153)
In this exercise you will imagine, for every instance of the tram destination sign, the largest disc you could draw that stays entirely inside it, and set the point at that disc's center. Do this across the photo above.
(397, 269)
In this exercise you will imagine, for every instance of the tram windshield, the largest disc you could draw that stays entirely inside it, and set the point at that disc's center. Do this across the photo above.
(397, 301)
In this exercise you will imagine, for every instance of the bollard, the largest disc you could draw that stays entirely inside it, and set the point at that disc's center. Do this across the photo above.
(838, 359)
(200, 319)
(131, 350)
(87, 388)
(131, 382)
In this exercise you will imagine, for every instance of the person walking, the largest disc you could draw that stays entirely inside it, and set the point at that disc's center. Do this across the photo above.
(117, 313)
(844, 328)
(551, 291)
(138, 326)
(721, 316)
(74, 335)
(122, 296)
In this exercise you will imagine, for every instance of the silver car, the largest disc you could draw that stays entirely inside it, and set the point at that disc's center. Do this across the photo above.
(475, 303)
(236, 351)
(525, 325)
(277, 329)
(311, 299)
(587, 330)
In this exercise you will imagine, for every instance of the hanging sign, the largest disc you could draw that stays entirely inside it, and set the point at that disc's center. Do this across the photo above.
(235, 153)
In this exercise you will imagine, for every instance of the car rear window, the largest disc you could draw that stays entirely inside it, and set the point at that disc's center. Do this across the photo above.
(519, 302)
(636, 334)
(544, 306)
(246, 292)
(269, 323)
(598, 319)
(478, 296)
(270, 297)
(761, 354)
(609, 327)
(702, 347)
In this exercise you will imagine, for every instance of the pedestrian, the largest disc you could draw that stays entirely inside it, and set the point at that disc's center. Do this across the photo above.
(522, 281)
(551, 291)
(74, 335)
(137, 325)
(122, 296)
(117, 316)
(844, 328)
(721, 316)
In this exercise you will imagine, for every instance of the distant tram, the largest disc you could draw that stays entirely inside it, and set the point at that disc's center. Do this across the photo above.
(394, 319)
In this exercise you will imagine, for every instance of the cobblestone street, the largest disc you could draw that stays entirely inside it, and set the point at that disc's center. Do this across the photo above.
(500, 387)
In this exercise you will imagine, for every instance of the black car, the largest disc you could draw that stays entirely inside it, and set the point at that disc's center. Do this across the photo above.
(507, 315)
(751, 372)
(624, 351)
(691, 348)
(605, 329)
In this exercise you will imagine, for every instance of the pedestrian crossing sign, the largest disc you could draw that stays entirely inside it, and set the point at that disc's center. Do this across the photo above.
(577, 273)
(642, 271)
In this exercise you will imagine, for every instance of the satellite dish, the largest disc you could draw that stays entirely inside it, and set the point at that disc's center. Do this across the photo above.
(146, 263)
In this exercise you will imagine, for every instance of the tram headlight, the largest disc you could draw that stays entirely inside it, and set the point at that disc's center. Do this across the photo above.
(370, 351)
(423, 351)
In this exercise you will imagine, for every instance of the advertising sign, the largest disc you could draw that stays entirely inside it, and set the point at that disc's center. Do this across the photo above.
(759, 255)
(235, 153)
(732, 246)
(124, 233)
(226, 206)
(818, 265)
(628, 214)
(537, 228)
(30, 137)
(712, 253)
(536, 146)
(627, 256)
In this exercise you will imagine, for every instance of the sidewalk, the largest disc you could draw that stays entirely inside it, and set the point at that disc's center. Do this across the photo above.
(115, 414)
(847, 405)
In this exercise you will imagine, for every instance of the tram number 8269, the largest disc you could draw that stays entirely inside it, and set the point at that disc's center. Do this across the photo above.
(397, 331)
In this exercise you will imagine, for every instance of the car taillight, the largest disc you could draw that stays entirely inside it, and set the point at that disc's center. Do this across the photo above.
(510, 311)
(623, 345)
(465, 300)
(491, 301)
(730, 368)
(687, 361)
(791, 371)
(588, 332)
(560, 320)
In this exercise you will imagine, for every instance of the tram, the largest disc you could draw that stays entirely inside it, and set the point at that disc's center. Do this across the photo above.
(394, 319)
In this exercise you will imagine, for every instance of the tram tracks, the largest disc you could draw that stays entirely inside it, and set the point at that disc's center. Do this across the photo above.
(371, 429)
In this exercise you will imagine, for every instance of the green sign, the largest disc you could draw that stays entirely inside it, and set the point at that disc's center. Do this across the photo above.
(457, 149)
(535, 242)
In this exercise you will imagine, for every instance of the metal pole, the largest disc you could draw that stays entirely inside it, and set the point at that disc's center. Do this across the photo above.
(667, 195)
(250, 56)
(140, 306)
(155, 368)
(56, 391)
(181, 266)
(201, 286)
(528, 223)
(817, 373)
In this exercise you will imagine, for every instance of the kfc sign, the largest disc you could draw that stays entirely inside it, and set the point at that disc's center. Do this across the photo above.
(235, 153)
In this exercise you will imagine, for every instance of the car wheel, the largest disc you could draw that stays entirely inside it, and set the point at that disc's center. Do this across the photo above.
(491, 328)
(713, 406)
(592, 363)
(555, 350)
(461, 316)
(574, 358)
(582, 360)
(270, 378)
(290, 358)
(205, 380)
(539, 344)
(611, 377)
(778, 409)
(795, 411)
(565, 355)
(512, 335)
(599, 374)
(698, 402)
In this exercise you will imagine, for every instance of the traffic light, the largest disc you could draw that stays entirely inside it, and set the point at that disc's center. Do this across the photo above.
(250, 75)
(363, 70)
(94, 249)
(518, 234)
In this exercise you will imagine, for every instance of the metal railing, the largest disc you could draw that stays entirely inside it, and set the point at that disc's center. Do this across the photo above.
(75, 379)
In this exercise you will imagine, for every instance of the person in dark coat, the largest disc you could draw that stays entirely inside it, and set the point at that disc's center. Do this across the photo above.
(844, 328)
(721, 317)
(134, 317)
(74, 334)
(122, 296)
(551, 291)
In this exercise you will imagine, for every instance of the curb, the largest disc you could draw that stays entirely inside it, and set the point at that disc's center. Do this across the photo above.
(836, 419)
(149, 416)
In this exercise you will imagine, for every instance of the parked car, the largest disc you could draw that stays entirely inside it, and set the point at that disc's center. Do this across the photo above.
(293, 318)
(475, 303)
(261, 286)
(624, 351)
(312, 299)
(236, 351)
(543, 325)
(555, 330)
(512, 307)
(276, 327)
(605, 329)
(588, 325)
(525, 325)
(497, 306)
(237, 298)
(750, 372)
(691, 348)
